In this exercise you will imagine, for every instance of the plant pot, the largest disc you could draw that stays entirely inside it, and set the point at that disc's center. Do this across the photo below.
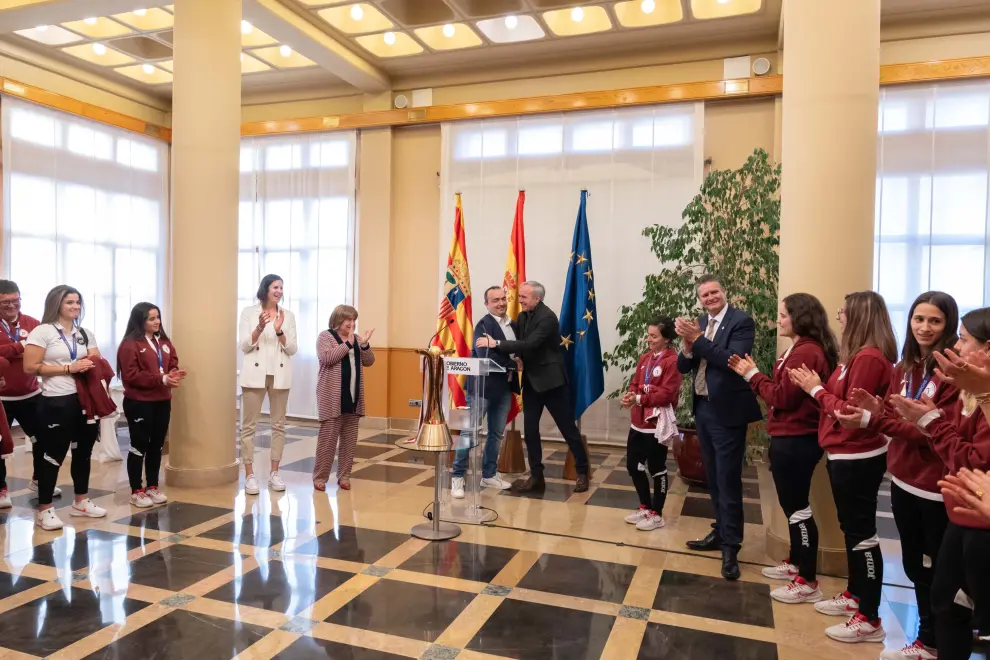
(687, 453)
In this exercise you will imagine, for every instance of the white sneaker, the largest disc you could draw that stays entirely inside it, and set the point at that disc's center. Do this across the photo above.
(841, 605)
(496, 482)
(86, 509)
(785, 570)
(275, 482)
(650, 522)
(155, 495)
(637, 515)
(457, 488)
(916, 651)
(251, 485)
(857, 629)
(141, 500)
(5, 502)
(798, 591)
(33, 487)
(48, 520)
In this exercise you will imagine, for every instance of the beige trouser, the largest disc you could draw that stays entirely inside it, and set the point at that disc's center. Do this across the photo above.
(251, 401)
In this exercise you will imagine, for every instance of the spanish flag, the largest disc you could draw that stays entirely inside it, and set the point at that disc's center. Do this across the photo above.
(515, 275)
(455, 327)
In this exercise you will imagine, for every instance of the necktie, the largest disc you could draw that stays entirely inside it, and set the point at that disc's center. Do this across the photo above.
(700, 384)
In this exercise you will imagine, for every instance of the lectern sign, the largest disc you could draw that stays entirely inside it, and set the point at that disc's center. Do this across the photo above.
(459, 366)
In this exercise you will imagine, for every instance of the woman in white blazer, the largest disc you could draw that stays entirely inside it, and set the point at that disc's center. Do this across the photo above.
(267, 337)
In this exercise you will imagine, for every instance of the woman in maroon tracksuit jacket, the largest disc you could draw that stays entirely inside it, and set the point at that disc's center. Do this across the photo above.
(656, 383)
(960, 436)
(149, 370)
(915, 469)
(793, 428)
(857, 459)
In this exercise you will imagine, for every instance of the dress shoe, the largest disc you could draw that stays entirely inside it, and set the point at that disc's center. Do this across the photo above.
(581, 485)
(730, 565)
(708, 544)
(530, 484)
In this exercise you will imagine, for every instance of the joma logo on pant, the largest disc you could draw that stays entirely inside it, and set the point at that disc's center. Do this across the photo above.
(871, 570)
(804, 535)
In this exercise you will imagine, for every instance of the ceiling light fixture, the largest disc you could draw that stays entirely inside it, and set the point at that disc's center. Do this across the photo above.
(140, 12)
(357, 13)
(723, 2)
(389, 38)
(577, 14)
(99, 49)
(89, 21)
(148, 69)
(246, 27)
(41, 28)
(511, 22)
(448, 30)
(648, 6)
(285, 50)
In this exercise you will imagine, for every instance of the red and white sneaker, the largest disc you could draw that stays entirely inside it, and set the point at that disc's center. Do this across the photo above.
(650, 521)
(86, 509)
(857, 629)
(785, 570)
(5, 502)
(916, 651)
(798, 591)
(156, 496)
(140, 499)
(844, 604)
(639, 514)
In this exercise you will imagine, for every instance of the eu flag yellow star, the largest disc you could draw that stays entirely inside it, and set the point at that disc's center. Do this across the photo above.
(588, 316)
(566, 341)
(580, 259)
(591, 294)
(588, 274)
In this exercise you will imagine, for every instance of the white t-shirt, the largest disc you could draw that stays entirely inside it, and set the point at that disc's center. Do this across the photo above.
(57, 353)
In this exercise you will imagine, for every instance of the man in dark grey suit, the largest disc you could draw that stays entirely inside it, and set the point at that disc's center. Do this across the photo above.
(544, 384)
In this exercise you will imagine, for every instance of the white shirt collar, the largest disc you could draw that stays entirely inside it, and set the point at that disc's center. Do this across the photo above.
(721, 315)
(504, 322)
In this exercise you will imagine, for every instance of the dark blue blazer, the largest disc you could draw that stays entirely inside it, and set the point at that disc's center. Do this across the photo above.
(496, 385)
(735, 400)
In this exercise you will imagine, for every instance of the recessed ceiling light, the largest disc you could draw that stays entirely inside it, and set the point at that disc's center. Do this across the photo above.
(147, 68)
(648, 6)
(389, 38)
(723, 2)
(577, 14)
(41, 28)
(285, 50)
(246, 27)
(140, 12)
(99, 49)
(511, 22)
(357, 13)
(448, 30)
(89, 21)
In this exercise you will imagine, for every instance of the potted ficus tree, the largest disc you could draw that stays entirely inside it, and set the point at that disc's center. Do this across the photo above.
(731, 229)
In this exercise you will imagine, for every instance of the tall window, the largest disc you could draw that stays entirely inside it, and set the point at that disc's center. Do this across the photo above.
(86, 205)
(641, 166)
(297, 221)
(931, 210)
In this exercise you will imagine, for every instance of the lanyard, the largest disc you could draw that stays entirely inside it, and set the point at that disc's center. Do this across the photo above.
(73, 348)
(11, 333)
(916, 394)
(649, 368)
(158, 349)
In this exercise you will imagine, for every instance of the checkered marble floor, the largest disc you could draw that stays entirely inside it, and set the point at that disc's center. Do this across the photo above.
(215, 574)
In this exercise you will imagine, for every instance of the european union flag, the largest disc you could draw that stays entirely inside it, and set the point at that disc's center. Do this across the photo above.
(579, 320)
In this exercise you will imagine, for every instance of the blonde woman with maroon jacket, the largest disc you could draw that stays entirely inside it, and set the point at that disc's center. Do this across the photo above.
(148, 366)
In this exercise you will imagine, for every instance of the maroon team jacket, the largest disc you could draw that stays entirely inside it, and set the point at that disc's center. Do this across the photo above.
(792, 411)
(94, 399)
(137, 361)
(961, 441)
(868, 370)
(654, 388)
(18, 383)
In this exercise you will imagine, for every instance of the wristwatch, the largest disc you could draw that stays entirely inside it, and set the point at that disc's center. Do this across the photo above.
(279, 333)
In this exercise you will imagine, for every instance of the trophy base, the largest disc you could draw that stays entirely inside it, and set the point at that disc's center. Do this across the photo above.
(434, 436)
(436, 531)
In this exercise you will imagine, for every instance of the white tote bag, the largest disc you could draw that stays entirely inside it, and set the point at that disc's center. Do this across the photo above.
(108, 449)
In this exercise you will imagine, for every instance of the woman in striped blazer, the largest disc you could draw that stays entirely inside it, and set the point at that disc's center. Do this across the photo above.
(340, 394)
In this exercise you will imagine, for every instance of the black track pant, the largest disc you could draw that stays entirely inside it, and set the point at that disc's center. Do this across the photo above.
(147, 422)
(25, 413)
(63, 427)
(646, 456)
(961, 591)
(793, 460)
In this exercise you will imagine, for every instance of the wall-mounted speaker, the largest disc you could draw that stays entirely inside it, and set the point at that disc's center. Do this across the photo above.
(401, 101)
(761, 66)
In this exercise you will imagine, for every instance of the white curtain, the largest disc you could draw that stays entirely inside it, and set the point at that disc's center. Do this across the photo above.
(87, 205)
(931, 210)
(297, 221)
(641, 166)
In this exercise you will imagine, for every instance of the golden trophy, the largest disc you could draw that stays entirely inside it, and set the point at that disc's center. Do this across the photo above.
(434, 435)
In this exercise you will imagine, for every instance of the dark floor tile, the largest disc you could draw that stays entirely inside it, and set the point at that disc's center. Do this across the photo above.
(749, 472)
(619, 477)
(622, 462)
(364, 451)
(531, 631)
(615, 498)
(581, 578)
(16, 483)
(29, 500)
(392, 474)
(306, 466)
(671, 464)
(887, 528)
(553, 470)
(429, 483)
(715, 598)
(749, 489)
(466, 561)
(353, 544)
(180, 635)
(178, 566)
(307, 648)
(883, 504)
(413, 457)
(554, 492)
(702, 507)
(305, 431)
(48, 624)
(674, 643)
(594, 458)
(401, 608)
(388, 438)
(174, 516)
(11, 584)
(70, 551)
(259, 530)
(287, 587)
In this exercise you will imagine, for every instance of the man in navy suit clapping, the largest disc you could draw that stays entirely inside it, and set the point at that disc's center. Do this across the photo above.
(724, 405)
